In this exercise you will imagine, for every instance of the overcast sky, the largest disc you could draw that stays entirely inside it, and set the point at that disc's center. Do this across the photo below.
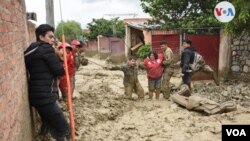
(83, 11)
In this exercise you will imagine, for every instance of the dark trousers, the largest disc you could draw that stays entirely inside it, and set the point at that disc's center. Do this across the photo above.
(53, 119)
(186, 78)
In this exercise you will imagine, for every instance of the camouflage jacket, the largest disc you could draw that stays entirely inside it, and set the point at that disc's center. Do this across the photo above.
(79, 59)
(130, 73)
(168, 58)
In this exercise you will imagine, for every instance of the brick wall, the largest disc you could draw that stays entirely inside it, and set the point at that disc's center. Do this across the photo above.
(31, 32)
(15, 122)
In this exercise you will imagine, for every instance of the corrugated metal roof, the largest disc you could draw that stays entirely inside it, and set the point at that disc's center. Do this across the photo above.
(142, 25)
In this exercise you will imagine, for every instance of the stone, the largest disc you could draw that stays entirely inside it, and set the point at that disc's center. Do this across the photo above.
(246, 42)
(234, 63)
(235, 68)
(248, 62)
(245, 53)
(245, 69)
(225, 93)
(237, 47)
(242, 47)
(237, 42)
(237, 92)
(243, 62)
(229, 89)
(238, 52)
(234, 48)
(242, 42)
(234, 53)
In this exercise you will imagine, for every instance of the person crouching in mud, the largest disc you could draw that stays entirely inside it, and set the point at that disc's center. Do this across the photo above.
(130, 80)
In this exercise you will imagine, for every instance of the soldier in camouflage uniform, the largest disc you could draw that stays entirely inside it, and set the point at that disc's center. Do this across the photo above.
(130, 81)
(168, 68)
(79, 56)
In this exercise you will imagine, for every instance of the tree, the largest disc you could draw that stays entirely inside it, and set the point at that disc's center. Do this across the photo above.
(182, 13)
(241, 22)
(113, 27)
(72, 30)
(143, 51)
(197, 14)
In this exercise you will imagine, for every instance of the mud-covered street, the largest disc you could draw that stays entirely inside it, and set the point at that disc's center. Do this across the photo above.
(102, 113)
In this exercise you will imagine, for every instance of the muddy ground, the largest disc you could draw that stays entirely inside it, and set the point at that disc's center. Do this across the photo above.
(102, 113)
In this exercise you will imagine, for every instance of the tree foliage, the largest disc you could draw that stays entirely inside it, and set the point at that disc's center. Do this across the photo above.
(72, 30)
(241, 22)
(113, 27)
(143, 51)
(197, 14)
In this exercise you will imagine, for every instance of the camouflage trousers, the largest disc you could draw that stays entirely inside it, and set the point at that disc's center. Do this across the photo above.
(168, 72)
(136, 87)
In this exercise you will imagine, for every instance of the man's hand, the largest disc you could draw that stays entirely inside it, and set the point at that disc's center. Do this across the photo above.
(59, 54)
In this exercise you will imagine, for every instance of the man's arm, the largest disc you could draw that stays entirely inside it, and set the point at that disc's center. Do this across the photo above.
(168, 58)
(53, 61)
(115, 67)
(141, 65)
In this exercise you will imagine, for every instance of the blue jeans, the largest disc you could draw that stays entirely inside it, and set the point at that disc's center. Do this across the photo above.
(186, 77)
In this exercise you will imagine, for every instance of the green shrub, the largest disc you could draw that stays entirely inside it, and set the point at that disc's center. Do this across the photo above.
(143, 51)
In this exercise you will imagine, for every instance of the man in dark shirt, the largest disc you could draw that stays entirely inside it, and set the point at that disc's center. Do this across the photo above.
(187, 58)
(44, 69)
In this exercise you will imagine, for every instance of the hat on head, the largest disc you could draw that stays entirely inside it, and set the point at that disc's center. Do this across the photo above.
(67, 45)
(75, 43)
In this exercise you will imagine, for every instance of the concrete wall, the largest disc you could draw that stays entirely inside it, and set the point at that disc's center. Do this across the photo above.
(92, 48)
(110, 48)
(127, 40)
(147, 36)
(224, 54)
(103, 47)
(15, 121)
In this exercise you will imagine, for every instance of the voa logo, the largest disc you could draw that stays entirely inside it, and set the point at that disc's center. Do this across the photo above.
(224, 11)
(236, 132)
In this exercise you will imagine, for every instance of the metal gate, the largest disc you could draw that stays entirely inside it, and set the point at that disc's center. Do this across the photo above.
(173, 41)
(208, 47)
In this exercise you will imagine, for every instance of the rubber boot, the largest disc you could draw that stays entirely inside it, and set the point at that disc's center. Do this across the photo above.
(150, 94)
(157, 95)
